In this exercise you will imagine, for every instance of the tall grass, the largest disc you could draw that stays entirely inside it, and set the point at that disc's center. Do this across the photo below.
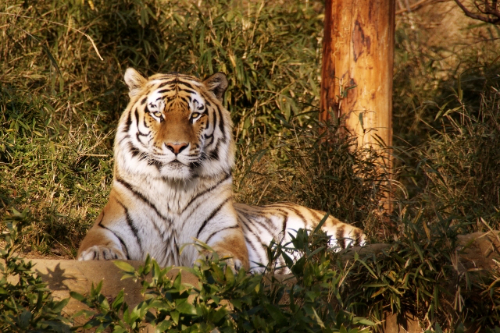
(60, 103)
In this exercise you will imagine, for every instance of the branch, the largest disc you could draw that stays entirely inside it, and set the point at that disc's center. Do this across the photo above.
(488, 11)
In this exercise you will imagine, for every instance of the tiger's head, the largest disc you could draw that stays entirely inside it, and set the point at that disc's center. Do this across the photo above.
(174, 127)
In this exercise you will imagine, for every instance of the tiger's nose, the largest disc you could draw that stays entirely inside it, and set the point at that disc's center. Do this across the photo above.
(176, 148)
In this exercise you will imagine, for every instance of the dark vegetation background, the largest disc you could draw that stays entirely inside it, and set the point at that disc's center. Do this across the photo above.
(60, 103)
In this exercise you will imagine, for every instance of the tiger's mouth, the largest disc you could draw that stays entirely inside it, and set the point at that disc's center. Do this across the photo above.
(176, 164)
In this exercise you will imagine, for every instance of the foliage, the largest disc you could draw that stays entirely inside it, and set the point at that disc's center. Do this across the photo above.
(26, 305)
(460, 165)
(308, 301)
(421, 274)
(445, 123)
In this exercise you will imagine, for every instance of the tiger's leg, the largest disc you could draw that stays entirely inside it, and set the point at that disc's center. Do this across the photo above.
(234, 248)
(102, 242)
(224, 235)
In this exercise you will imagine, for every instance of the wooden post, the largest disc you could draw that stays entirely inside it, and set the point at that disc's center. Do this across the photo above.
(357, 69)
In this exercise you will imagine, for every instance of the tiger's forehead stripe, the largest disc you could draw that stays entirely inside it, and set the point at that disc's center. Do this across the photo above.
(168, 92)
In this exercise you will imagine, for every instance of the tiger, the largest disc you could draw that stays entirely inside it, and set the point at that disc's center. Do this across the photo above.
(174, 153)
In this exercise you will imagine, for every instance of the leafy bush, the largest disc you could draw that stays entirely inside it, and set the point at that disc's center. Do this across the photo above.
(308, 301)
(26, 305)
(460, 165)
(421, 274)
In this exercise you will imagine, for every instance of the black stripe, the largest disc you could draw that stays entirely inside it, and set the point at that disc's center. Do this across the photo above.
(249, 243)
(165, 83)
(221, 124)
(211, 140)
(119, 238)
(299, 214)
(340, 236)
(184, 99)
(132, 227)
(315, 214)
(143, 198)
(144, 123)
(163, 91)
(138, 134)
(245, 222)
(188, 91)
(214, 154)
(156, 163)
(128, 122)
(228, 175)
(187, 84)
(285, 222)
(142, 134)
(254, 219)
(136, 114)
(176, 246)
(144, 100)
(214, 212)
(215, 122)
(133, 150)
(124, 138)
(216, 232)
(357, 236)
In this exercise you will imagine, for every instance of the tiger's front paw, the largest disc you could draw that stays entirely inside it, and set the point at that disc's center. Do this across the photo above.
(234, 264)
(231, 262)
(99, 252)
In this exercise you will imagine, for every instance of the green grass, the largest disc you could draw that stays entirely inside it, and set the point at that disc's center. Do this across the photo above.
(60, 103)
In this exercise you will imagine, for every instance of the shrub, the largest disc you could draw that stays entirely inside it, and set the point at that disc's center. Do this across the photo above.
(308, 301)
(26, 305)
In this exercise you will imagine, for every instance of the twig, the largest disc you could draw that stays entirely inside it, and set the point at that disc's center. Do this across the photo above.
(94, 155)
(415, 6)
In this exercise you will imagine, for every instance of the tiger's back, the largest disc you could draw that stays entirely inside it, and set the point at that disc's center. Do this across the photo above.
(278, 221)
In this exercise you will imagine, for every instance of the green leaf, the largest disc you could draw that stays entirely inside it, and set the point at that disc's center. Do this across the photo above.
(229, 276)
(58, 306)
(362, 321)
(276, 313)
(24, 319)
(124, 266)
(183, 306)
(77, 296)
(117, 303)
(178, 282)
(175, 316)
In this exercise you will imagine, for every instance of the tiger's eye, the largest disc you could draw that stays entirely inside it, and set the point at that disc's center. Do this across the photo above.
(157, 114)
(195, 115)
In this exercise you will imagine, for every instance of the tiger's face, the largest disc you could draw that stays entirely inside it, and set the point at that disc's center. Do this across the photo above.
(175, 127)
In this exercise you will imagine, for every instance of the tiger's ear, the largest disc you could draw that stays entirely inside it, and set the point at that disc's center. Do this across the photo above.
(134, 81)
(217, 84)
